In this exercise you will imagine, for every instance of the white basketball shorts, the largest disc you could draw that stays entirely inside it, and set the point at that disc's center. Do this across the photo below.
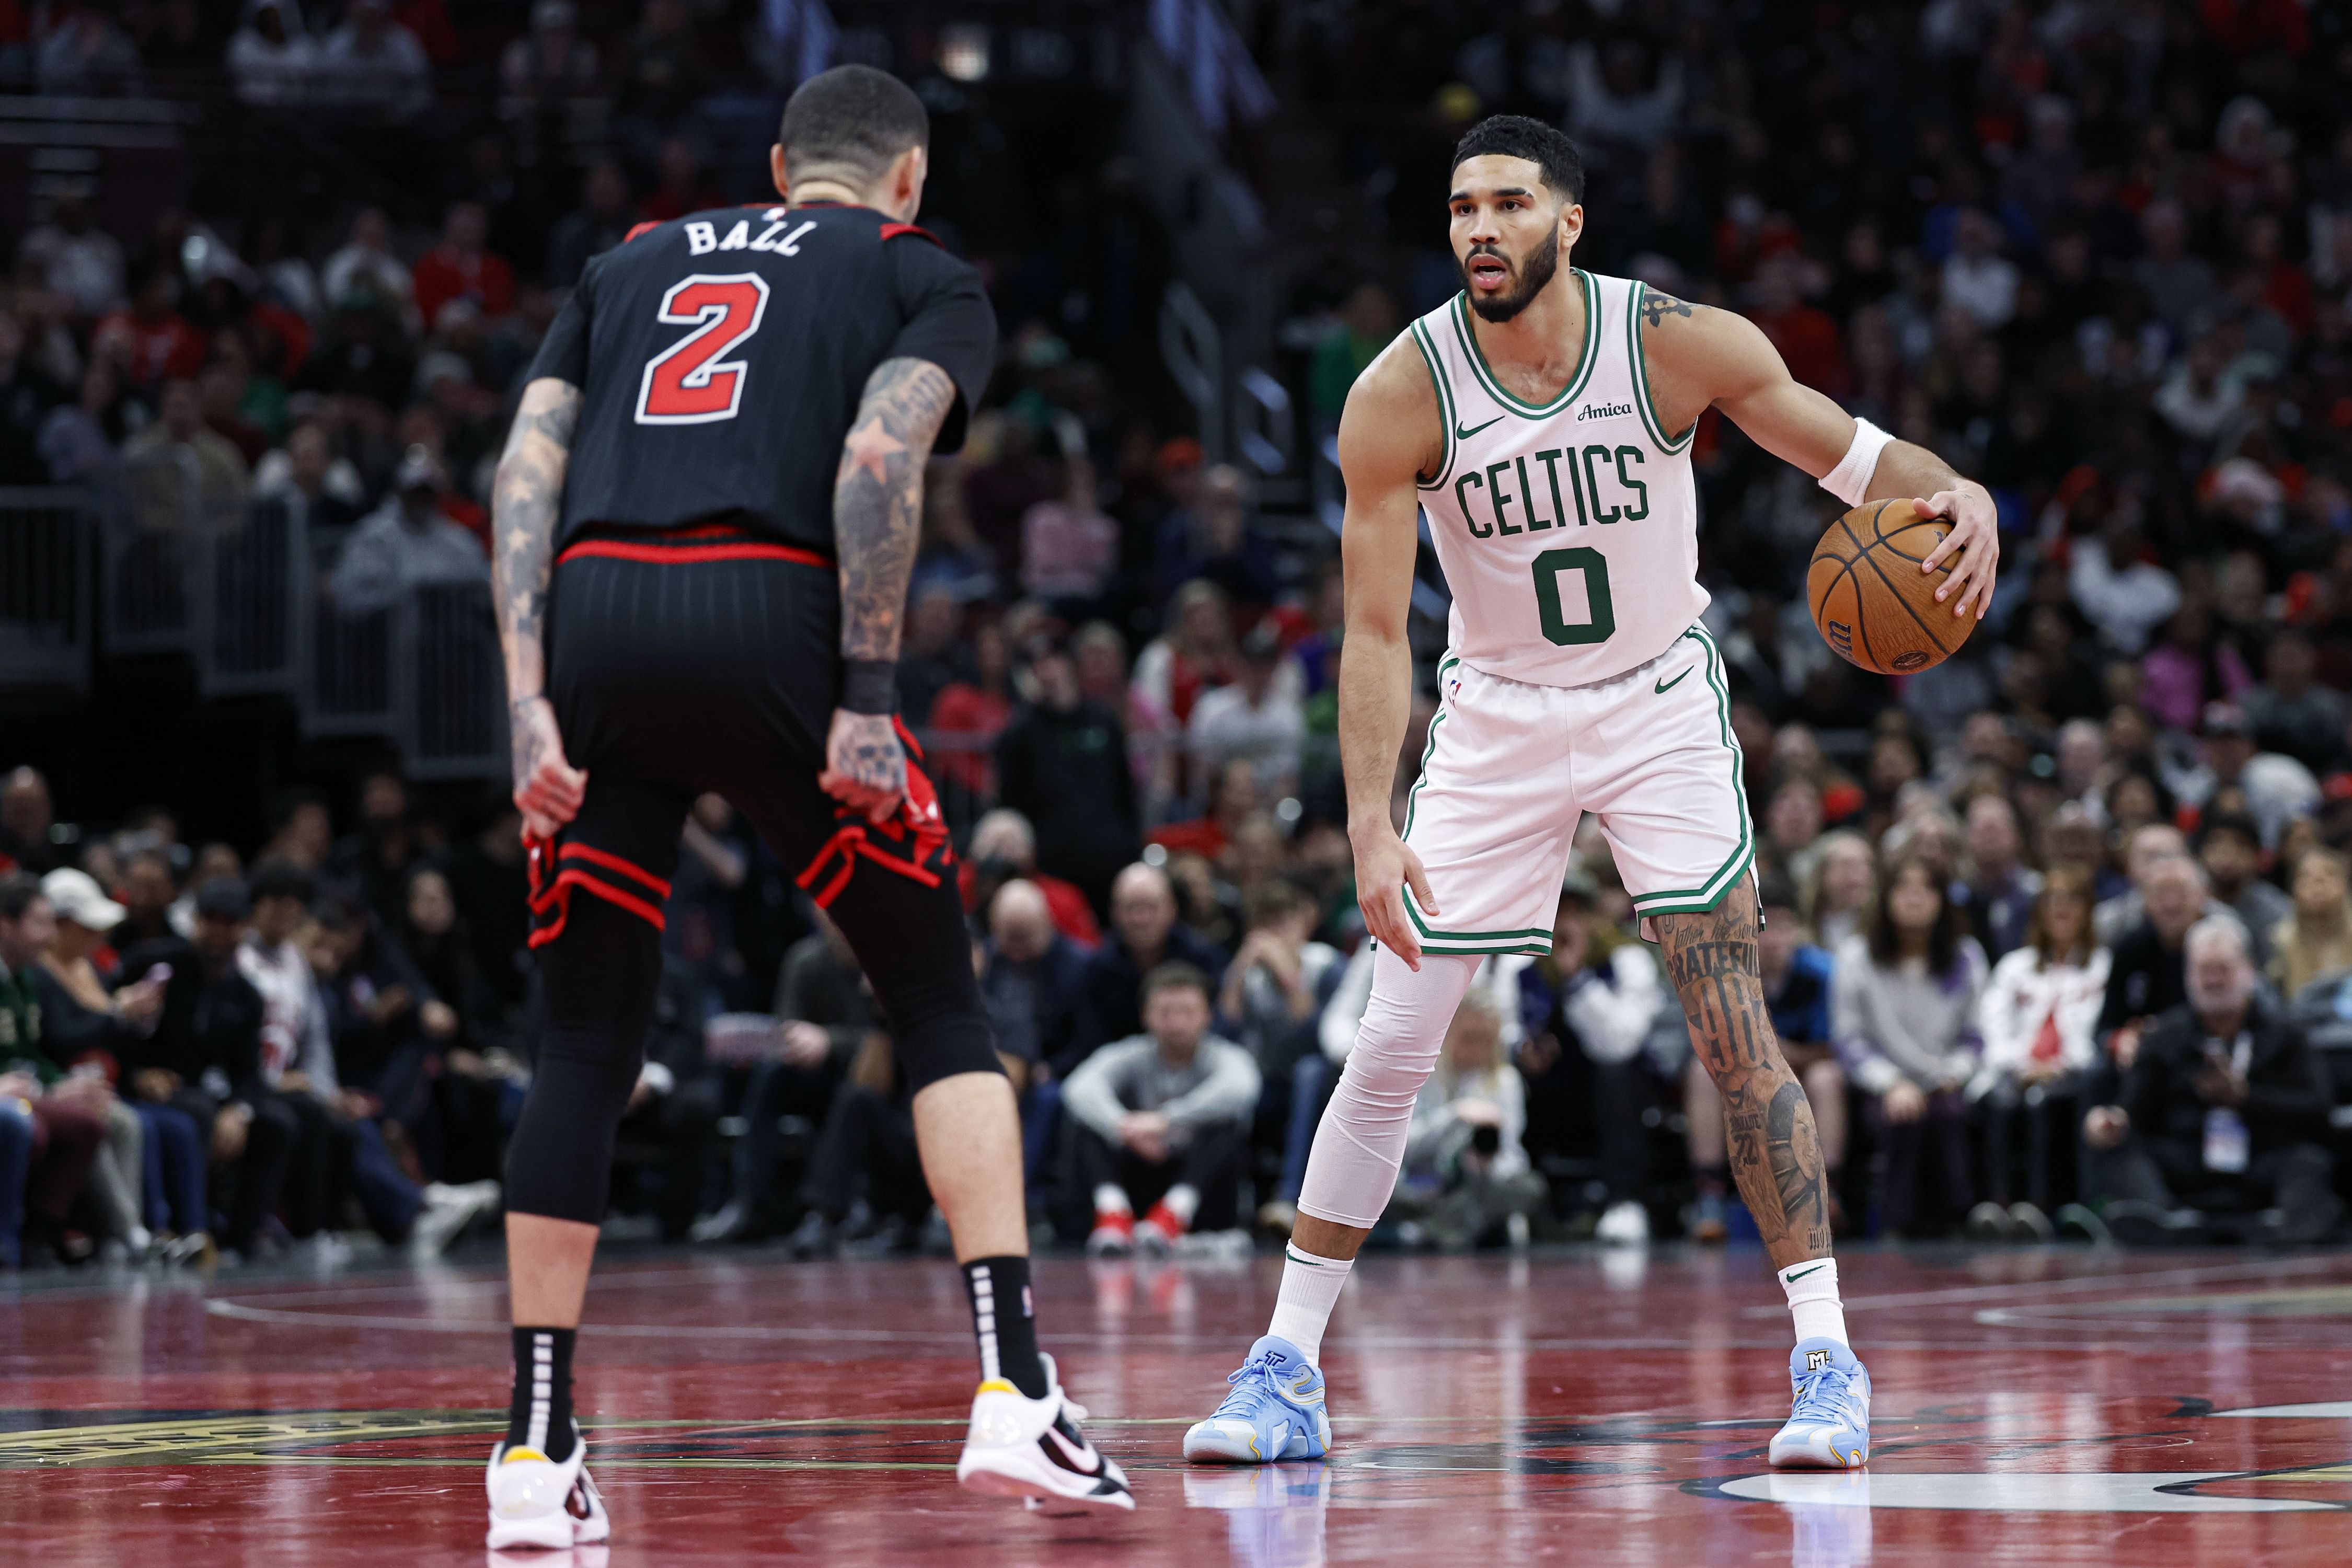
(1510, 767)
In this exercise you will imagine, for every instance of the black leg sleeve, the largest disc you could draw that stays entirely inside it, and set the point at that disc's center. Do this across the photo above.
(600, 976)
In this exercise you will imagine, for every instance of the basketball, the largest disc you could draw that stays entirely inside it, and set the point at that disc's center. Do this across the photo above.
(1869, 598)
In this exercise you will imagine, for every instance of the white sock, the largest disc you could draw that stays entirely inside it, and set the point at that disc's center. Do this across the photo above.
(1310, 1289)
(1813, 1300)
(1111, 1199)
(1182, 1202)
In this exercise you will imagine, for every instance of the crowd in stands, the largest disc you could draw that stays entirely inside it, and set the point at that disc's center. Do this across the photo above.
(2059, 935)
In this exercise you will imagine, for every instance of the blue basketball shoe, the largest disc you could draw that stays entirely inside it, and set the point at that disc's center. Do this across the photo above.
(1275, 1411)
(1829, 1428)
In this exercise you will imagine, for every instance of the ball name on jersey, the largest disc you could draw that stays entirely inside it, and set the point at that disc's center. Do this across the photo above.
(702, 238)
(1601, 487)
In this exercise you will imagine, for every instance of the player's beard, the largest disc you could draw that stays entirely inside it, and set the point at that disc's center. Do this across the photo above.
(1532, 272)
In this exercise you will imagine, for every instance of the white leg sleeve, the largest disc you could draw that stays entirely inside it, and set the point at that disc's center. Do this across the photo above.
(1360, 1142)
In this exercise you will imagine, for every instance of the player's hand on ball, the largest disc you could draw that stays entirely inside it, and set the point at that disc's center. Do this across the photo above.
(864, 768)
(1385, 866)
(1976, 533)
(548, 789)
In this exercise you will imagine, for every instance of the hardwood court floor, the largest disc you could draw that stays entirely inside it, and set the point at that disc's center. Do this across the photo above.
(2033, 1407)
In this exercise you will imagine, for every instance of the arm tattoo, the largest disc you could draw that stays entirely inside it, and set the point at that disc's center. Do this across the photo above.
(525, 502)
(878, 499)
(1776, 1152)
(1658, 307)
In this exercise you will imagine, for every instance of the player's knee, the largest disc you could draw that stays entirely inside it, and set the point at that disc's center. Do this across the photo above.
(939, 1028)
(600, 978)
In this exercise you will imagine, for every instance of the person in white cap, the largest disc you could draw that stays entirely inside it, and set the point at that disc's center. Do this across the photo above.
(80, 1022)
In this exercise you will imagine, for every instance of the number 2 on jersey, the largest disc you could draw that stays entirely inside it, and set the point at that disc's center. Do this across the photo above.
(690, 382)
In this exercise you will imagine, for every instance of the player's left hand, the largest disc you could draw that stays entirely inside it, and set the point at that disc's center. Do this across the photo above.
(1976, 534)
(548, 789)
(864, 768)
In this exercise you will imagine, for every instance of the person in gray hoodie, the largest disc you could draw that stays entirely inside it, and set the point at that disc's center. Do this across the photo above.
(1903, 1018)
(1159, 1122)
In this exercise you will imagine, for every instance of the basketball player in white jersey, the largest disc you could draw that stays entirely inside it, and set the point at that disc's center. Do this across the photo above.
(1543, 419)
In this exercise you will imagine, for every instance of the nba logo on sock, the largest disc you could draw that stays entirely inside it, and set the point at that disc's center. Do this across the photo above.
(1816, 1359)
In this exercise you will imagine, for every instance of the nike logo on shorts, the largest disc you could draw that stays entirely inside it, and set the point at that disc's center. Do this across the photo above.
(1663, 685)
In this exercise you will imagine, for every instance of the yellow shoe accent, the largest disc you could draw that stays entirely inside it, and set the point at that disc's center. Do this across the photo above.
(996, 1385)
(514, 1454)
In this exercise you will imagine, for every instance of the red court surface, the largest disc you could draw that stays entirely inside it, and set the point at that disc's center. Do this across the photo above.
(2032, 1408)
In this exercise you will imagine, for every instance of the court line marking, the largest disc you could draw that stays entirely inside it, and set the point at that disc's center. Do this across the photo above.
(961, 1339)
(2072, 1284)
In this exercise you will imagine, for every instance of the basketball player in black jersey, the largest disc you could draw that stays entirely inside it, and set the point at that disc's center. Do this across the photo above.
(704, 521)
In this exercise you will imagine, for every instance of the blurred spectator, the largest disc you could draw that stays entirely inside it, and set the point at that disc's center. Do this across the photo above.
(1159, 1122)
(376, 859)
(825, 1016)
(1144, 935)
(1844, 886)
(85, 1032)
(27, 822)
(2290, 712)
(2229, 848)
(2038, 1022)
(1069, 548)
(1271, 997)
(405, 543)
(547, 66)
(2314, 943)
(928, 657)
(1217, 539)
(1587, 1011)
(1256, 719)
(1904, 1005)
(85, 54)
(1032, 978)
(273, 58)
(461, 268)
(375, 64)
(970, 714)
(601, 221)
(217, 468)
(1466, 1170)
(1005, 846)
(1797, 975)
(680, 189)
(366, 264)
(1061, 763)
(2123, 594)
(2145, 975)
(2276, 789)
(306, 469)
(2000, 886)
(73, 256)
(1367, 324)
(2226, 1107)
(52, 1137)
(151, 343)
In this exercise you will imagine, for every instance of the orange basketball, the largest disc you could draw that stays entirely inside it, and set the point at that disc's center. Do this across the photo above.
(1874, 605)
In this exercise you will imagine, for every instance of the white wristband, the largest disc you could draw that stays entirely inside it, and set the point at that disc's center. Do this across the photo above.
(1849, 480)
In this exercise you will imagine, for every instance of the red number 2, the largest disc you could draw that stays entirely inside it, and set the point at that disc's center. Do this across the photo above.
(689, 382)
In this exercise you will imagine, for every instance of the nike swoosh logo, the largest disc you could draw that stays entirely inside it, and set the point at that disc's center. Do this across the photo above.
(1817, 1267)
(1462, 435)
(1082, 1457)
(1665, 685)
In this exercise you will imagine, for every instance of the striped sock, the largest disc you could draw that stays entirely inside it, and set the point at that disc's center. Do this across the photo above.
(541, 1416)
(1004, 1321)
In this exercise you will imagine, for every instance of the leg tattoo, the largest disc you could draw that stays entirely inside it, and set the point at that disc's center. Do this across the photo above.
(1776, 1151)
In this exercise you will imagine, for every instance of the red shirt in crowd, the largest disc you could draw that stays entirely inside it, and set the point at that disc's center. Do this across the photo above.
(1073, 916)
(445, 274)
(154, 348)
(1808, 341)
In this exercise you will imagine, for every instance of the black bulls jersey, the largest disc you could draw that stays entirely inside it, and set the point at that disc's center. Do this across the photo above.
(722, 357)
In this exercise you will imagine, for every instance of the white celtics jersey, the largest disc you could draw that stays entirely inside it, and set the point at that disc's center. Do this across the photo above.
(1568, 531)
